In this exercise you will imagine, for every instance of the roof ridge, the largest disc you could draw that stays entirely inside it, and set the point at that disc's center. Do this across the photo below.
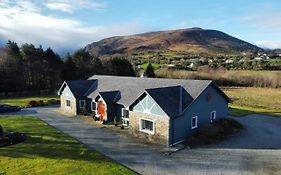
(147, 78)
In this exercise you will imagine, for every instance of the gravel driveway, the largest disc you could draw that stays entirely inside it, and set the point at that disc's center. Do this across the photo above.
(256, 150)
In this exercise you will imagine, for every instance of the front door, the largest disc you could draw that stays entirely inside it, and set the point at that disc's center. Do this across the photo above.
(101, 110)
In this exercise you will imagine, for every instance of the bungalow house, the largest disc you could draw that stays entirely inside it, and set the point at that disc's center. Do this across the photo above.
(160, 110)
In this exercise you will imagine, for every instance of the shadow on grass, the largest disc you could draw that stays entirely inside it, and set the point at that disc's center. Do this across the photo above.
(239, 112)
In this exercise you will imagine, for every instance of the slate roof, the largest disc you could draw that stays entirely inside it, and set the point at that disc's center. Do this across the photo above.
(173, 100)
(110, 96)
(132, 87)
(79, 87)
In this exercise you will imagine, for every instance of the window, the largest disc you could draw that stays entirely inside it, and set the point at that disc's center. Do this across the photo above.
(125, 113)
(82, 103)
(194, 121)
(68, 103)
(213, 116)
(93, 106)
(147, 126)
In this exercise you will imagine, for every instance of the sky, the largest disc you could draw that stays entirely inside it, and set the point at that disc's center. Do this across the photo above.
(67, 25)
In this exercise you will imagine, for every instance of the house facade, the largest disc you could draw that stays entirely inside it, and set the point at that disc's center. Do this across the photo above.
(164, 111)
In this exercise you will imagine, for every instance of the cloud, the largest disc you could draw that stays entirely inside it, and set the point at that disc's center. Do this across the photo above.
(61, 6)
(268, 44)
(69, 6)
(268, 24)
(265, 21)
(24, 22)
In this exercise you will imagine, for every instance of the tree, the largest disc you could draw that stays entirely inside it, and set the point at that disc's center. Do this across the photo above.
(119, 66)
(53, 71)
(69, 71)
(149, 72)
(34, 66)
(98, 67)
(11, 68)
(84, 63)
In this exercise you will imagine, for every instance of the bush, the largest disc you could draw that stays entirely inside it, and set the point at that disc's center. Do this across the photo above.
(1, 131)
(213, 132)
(32, 103)
(18, 137)
(10, 138)
(53, 102)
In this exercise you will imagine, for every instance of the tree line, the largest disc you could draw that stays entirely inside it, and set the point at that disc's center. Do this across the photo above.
(29, 68)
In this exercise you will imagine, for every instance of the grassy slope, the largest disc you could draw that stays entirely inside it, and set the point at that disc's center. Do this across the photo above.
(48, 151)
(23, 101)
(254, 100)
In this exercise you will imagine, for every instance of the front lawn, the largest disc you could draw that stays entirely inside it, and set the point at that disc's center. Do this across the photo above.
(48, 151)
(23, 101)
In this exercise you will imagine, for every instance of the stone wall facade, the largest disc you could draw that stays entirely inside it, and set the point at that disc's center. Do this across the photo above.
(72, 109)
(161, 127)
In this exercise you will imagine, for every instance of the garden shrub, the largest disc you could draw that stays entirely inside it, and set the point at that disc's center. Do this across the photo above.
(41, 103)
(18, 137)
(53, 102)
(213, 132)
(1, 131)
(32, 103)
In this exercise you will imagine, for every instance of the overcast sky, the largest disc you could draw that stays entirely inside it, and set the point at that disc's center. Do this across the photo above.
(66, 25)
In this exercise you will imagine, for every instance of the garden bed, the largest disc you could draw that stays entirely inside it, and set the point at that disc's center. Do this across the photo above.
(10, 138)
(213, 132)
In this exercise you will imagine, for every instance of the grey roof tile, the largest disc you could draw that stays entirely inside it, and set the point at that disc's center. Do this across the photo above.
(110, 96)
(132, 87)
(79, 87)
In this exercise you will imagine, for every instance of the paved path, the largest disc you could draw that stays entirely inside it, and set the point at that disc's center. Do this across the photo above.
(245, 153)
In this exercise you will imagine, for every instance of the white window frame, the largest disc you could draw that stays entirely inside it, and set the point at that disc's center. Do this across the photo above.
(92, 106)
(84, 101)
(196, 122)
(146, 130)
(215, 116)
(122, 111)
(69, 103)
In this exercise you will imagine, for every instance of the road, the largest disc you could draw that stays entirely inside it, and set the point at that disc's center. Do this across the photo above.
(255, 150)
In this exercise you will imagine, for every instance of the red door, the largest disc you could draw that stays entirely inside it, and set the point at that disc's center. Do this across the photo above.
(101, 110)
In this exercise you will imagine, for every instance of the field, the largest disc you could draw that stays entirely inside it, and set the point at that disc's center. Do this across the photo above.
(23, 101)
(223, 77)
(154, 65)
(254, 100)
(48, 151)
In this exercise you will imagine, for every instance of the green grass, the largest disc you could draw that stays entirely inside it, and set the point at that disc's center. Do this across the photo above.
(248, 100)
(23, 101)
(154, 65)
(48, 151)
(246, 110)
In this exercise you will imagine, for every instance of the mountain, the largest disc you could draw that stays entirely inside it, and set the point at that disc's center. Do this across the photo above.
(188, 41)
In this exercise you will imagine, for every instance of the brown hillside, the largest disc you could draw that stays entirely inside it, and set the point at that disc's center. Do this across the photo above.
(193, 40)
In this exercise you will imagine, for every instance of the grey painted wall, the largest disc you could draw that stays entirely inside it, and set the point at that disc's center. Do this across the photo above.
(202, 108)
